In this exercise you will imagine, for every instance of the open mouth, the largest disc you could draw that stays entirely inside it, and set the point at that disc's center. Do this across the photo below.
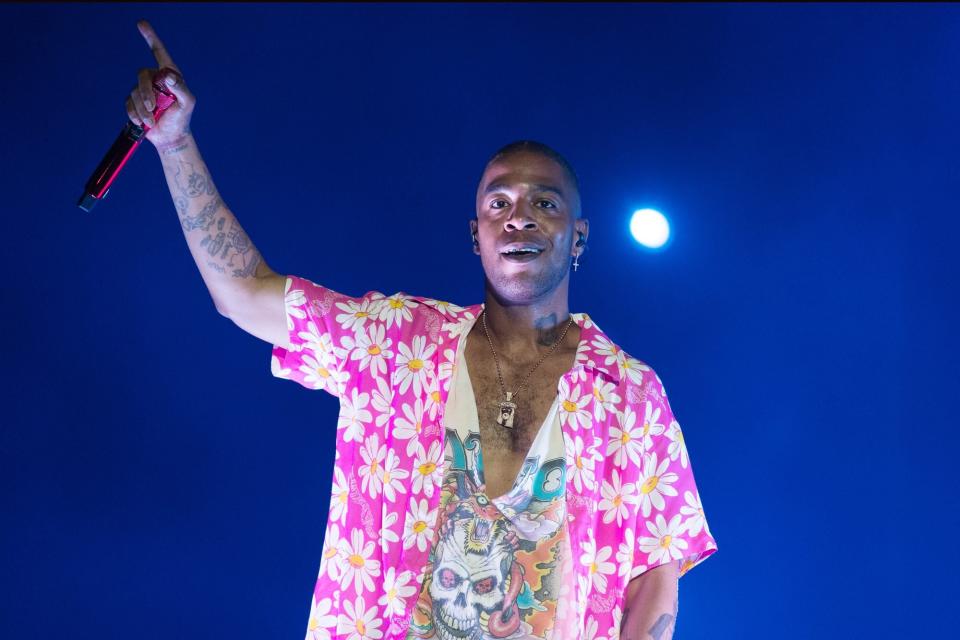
(521, 253)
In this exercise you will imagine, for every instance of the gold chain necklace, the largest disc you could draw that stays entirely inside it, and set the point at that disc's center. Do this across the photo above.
(508, 408)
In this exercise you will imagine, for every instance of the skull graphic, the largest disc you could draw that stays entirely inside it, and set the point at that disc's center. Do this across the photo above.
(475, 581)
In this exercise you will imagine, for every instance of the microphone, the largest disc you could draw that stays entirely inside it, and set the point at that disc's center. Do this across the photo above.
(123, 148)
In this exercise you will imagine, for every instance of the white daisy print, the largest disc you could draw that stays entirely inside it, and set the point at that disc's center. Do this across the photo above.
(616, 497)
(573, 406)
(371, 473)
(359, 623)
(409, 425)
(396, 309)
(277, 369)
(417, 526)
(315, 373)
(356, 314)
(387, 534)
(392, 476)
(665, 545)
(651, 425)
(597, 561)
(329, 559)
(339, 497)
(655, 483)
(414, 364)
(612, 353)
(445, 370)
(625, 553)
(373, 349)
(432, 404)
(321, 622)
(353, 415)
(677, 448)
(356, 564)
(626, 439)
(605, 398)
(695, 521)
(383, 402)
(614, 633)
(633, 369)
(427, 473)
(294, 301)
(583, 474)
(396, 590)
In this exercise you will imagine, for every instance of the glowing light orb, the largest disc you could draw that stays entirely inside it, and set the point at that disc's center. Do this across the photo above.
(650, 228)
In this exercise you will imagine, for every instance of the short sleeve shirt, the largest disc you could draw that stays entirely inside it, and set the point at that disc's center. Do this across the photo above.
(631, 500)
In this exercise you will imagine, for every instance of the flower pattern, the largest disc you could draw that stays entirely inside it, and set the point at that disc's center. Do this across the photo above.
(632, 500)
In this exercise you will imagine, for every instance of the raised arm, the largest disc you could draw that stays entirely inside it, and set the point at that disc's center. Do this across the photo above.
(243, 287)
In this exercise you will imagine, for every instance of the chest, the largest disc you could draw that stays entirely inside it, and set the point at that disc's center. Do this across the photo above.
(505, 449)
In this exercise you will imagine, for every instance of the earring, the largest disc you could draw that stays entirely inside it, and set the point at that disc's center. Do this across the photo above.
(576, 261)
(476, 242)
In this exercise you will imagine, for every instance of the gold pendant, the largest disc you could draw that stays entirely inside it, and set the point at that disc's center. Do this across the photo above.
(507, 411)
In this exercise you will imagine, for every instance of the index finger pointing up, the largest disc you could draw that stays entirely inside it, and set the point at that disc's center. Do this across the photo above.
(156, 45)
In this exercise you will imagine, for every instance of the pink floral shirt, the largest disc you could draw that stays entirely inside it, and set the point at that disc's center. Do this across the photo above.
(632, 503)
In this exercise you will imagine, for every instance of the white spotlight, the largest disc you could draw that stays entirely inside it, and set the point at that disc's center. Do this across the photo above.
(650, 228)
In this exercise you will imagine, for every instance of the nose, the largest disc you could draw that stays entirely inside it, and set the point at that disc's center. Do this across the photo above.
(521, 219)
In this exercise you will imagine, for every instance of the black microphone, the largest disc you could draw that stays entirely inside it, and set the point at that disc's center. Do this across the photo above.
(122, 149)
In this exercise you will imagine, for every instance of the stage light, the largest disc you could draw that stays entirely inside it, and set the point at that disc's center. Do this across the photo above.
(650, 228)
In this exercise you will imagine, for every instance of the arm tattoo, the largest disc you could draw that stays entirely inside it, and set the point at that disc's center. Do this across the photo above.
(192, 183)
(234, 247)
(204, 217)
(663, 624)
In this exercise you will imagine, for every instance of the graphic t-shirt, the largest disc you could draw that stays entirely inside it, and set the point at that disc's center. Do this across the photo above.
(498, 567)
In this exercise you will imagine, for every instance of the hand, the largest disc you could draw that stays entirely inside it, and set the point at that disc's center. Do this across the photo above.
(175, 121)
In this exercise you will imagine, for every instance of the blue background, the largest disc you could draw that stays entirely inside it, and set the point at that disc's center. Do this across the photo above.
(158, 482)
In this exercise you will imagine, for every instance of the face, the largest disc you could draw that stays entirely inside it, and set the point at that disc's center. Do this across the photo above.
(527, 226)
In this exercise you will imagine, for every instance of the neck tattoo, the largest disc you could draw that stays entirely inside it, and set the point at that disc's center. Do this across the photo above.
(507, 409)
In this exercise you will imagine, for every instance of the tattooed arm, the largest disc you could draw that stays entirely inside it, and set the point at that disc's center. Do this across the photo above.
(243, 287)
(651, 604)
(241, 284)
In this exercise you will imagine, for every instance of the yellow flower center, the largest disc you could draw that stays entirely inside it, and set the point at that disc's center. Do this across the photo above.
(342, 497)
(593, 567)
(386, 477)
(646, 427)
(322, 372)
(419, 425)
(579, 462)
(356, 560)
(649, 484)
(419, 526)
(665, 541)
(679, 435)
(436, 396)
(427, 468)
(332, 551)
(361, 314)
(569, 407)
(392, 594)
(625, 438)
(617, 500)
(373, 350)
(597, 394)
(396, 304)
(415, 365)
(361, 628)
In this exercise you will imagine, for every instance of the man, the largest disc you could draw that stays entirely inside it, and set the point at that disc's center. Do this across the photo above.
(502, 470)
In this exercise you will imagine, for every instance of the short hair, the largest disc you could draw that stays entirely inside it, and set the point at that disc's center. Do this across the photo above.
(532, 146)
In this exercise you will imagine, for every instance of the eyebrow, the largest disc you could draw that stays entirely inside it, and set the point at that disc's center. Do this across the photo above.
(501, 186)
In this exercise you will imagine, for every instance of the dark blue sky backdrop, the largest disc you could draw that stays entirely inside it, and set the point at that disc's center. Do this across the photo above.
(158, 482)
